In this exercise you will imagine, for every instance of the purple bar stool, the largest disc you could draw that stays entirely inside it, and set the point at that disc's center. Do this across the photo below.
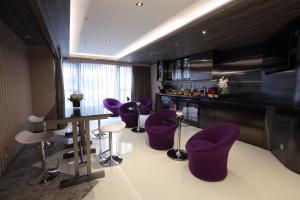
(129, 116)
(112, 105)
(145, 105)
(161, 127)
(208, 151)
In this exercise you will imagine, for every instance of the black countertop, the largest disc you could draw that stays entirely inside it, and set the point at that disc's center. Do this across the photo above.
(242, 100)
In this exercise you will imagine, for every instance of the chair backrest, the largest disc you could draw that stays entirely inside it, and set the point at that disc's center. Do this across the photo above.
(145, 101)
(111, 102)
(125, 107)
(161, 115)
(225, 131)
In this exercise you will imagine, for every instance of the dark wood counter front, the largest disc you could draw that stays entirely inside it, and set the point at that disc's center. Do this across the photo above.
(273, 126)
(204, 112)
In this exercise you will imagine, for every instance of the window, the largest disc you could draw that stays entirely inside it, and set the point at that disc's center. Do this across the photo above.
(96, 81)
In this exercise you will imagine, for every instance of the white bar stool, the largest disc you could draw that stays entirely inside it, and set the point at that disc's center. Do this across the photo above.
(37, 120)
(27, 137)
(112, 160)
(96, 132)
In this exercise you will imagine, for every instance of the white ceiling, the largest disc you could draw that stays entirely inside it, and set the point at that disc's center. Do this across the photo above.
(127, 26)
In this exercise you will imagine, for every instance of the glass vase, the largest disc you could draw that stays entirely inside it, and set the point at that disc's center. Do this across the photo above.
(223, 92)
(76, 104)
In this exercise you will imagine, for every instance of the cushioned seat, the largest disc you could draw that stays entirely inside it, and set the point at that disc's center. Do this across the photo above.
(129, 115)
(112, 160)
(116, 127)
(160, 134)
(112, 105)
(196, 145)
(27, 137)
(208, 151)
(35, 119)
(146, 104)
(161, 127)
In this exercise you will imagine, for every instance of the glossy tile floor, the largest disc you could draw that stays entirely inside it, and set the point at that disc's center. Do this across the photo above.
(148, 174)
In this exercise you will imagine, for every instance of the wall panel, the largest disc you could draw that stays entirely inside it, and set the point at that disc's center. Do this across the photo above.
(15, 93)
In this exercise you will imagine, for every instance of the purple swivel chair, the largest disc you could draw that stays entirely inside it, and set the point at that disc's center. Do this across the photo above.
(161, 127)
(129, 116)
(112, 105)
(145, 105)
(208, 151)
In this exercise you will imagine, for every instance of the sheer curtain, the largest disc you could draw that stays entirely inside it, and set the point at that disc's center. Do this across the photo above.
(96, 81)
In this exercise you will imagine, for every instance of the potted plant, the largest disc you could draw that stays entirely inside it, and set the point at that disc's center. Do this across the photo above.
(223, 87)
(75, 98)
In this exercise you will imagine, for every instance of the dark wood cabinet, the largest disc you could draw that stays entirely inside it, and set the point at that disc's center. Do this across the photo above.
(205, 113)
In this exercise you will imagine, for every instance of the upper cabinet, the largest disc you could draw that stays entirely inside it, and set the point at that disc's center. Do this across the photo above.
(195, 67)
(186, 67)
(201, 66)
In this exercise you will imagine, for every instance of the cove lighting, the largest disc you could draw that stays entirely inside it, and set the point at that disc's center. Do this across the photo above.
(195, 11)
(188, 15)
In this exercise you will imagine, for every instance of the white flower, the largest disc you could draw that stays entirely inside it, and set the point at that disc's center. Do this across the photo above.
(76, 96)
(179, 113)
(138, 103)
(223, 83)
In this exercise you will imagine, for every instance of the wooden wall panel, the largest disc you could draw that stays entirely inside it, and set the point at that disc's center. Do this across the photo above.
(15, 93)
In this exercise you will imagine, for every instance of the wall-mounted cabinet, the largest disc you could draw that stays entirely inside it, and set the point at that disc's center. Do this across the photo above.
(186, 67)
(201, 66)
(195, 67)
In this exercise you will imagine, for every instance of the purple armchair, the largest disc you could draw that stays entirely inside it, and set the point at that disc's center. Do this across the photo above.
(208, 151)
(146, 104)
(130, 117)
(112, 105)
(161, 127)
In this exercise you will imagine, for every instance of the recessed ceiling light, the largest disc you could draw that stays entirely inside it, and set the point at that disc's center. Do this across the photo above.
(204, 32)
(187, 15)
(140, 4)
(27, 36)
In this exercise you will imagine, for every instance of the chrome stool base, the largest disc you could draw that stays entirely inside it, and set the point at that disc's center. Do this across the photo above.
(138, 130)
(177, 154)
(111, 161)
(99, 136)
(43, 178)
(103, 153)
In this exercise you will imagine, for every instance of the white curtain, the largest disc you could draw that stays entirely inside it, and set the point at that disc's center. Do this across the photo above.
(96, 81)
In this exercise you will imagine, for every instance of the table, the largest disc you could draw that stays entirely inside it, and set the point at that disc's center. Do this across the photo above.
(138, 129)
(81, 117)
(178, 153)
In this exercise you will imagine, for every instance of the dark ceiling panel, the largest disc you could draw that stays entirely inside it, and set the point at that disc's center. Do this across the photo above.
(56, 17)
(17, 15)
(238, 24)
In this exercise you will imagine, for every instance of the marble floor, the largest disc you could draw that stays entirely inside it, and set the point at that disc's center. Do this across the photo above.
(148, 174)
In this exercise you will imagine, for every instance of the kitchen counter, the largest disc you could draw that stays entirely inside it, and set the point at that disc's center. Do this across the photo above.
(239, 100)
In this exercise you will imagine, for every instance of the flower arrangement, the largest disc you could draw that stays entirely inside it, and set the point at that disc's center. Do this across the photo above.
(75, 98)
(223, 86)
(179, 116)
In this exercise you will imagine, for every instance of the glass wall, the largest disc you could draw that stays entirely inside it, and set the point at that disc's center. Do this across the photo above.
(96, 81)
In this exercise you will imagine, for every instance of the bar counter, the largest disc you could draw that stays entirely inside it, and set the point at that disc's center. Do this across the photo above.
(274, 126)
